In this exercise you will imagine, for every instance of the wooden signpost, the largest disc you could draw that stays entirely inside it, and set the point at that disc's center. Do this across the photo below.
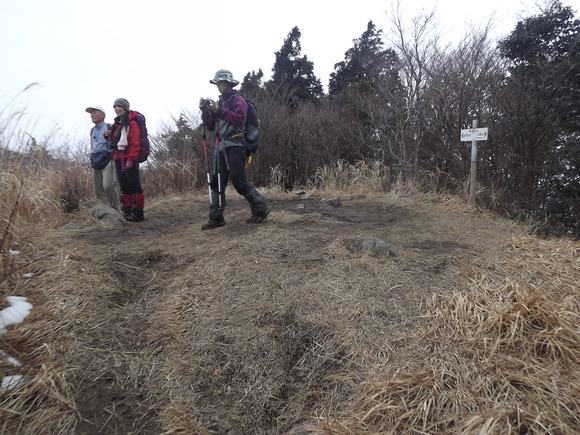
(473, 134)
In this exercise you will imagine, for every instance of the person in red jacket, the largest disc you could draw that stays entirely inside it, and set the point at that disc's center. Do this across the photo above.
(126, 143)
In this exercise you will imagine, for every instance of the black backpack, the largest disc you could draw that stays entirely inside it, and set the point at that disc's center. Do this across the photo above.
(252, 133)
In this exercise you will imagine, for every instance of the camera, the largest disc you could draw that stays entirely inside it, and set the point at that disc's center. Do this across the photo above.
(205, 102)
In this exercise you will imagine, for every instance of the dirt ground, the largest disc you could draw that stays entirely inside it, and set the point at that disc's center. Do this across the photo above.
(245, 329)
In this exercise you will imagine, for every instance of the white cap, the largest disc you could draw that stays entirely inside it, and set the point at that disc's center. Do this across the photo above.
(90, 109)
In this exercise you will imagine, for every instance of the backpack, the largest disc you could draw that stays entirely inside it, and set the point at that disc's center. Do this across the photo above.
(252, 133)
(145, 146)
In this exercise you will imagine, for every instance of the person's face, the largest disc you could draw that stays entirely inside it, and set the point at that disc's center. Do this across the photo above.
(119, 110)
(97, 116)
(223, 86)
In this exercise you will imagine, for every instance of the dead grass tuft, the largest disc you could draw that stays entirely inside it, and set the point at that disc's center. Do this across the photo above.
(172, 177)
(360, 177)
(177, 421)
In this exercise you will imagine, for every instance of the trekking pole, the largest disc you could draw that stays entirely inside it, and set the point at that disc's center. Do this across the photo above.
(207, 164)
(219, 178)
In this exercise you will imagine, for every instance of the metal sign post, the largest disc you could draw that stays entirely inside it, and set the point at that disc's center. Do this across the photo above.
(474, 134)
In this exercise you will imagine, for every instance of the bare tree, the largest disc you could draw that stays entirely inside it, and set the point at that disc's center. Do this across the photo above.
(461, 83)
(417, 48)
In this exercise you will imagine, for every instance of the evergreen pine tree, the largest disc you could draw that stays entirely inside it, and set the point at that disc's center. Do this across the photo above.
(293, 76)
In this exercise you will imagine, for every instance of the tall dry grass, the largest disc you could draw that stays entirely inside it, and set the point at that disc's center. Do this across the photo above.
(358, 177)
(39, 184)
(43, 184)
(38, 192)
(377, 177)
(171, 177)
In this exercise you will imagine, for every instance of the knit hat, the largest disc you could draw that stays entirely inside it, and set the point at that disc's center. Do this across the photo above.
(123, 103)
(224, 75)
(92, 108)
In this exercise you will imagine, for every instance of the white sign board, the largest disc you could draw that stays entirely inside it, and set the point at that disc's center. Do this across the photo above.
(474, 134)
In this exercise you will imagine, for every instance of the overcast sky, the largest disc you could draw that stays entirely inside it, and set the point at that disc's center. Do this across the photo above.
(161, 55)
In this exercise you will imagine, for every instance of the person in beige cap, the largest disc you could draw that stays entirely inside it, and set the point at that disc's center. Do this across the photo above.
(105, 181)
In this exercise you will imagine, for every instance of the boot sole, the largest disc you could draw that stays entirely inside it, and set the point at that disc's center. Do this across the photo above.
(213, 226)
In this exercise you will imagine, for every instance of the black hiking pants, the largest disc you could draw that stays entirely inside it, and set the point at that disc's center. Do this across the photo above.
(229, 165)
(129, 178)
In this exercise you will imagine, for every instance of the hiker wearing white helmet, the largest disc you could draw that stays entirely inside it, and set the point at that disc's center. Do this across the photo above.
(227, 117)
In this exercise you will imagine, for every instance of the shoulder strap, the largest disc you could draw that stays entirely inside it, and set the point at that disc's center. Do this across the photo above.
(231, 100)
(93, 129)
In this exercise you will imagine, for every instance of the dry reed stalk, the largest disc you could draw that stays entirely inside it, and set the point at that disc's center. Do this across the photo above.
(361, 177)
(172, 177)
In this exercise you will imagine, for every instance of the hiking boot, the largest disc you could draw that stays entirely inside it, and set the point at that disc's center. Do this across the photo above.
(126, 211)
(132, 217)
(256, 219)
(213, 224)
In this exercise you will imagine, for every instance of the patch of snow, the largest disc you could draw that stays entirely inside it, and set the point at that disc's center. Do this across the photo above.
(19, 308)
(11, 382)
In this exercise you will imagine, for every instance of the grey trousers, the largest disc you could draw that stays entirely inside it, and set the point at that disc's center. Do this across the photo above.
(106, 186)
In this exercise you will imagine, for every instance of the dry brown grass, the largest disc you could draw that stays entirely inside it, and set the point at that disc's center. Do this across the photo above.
(165, 329)
(171, 177)
(36, 194)
(361, 177)
(499, 356)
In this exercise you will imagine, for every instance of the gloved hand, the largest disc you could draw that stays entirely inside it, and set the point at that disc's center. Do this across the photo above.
(208, 104)
(203, 106)
(213, 105)
(129, 164)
